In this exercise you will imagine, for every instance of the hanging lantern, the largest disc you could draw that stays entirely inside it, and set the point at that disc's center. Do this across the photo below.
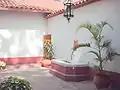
(68, 9)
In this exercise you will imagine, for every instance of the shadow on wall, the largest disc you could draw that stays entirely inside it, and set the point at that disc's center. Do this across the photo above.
(19, 44)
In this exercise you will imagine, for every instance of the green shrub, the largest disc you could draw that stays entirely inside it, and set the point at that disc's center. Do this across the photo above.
(2, 65)
(15, 83)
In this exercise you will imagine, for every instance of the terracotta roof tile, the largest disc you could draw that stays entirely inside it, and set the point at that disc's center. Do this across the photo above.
(77, 4)
(51, 7)
(51, 4)
(33, 5)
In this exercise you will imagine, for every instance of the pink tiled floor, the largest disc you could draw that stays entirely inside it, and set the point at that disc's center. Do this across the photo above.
(41, 79)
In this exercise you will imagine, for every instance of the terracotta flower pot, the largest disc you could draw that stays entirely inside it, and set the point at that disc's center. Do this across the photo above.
(46, 63)
(101, 80)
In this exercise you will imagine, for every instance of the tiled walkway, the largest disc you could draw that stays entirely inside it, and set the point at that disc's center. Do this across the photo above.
(41, 79)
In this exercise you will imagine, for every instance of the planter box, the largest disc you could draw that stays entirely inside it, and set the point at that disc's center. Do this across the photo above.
(69, 72)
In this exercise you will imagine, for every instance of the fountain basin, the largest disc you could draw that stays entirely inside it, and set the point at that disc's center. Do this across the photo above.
(70, 72)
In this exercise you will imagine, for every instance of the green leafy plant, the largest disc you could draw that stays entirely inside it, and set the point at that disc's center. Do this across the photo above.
(48, 50)
(102, 48)
(15, 83)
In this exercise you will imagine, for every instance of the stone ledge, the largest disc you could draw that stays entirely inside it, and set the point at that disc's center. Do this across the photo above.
(68, 77)
(70, 73)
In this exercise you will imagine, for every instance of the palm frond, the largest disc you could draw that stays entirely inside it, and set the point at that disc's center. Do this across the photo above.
(106, 43)
(104, 23)
(79, 46)
(95, 53)
(102, 37)
(97, 59)
(110, 56)
(101, 25)
(110, 53)
(92, 28)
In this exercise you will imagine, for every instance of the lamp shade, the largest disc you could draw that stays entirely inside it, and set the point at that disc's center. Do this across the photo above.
(68, 9)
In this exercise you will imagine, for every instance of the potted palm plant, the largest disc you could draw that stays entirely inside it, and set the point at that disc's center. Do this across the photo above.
(102, 50)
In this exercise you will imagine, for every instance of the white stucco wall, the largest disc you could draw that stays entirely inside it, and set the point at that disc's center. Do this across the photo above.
(64, 33)
(21, 34)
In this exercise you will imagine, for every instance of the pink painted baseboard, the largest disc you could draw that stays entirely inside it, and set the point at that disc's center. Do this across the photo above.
(22, 60)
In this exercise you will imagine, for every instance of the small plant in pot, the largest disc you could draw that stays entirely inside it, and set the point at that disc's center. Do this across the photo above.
(2, 65)
(48, 50)
(15, 83)
(102, 49)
